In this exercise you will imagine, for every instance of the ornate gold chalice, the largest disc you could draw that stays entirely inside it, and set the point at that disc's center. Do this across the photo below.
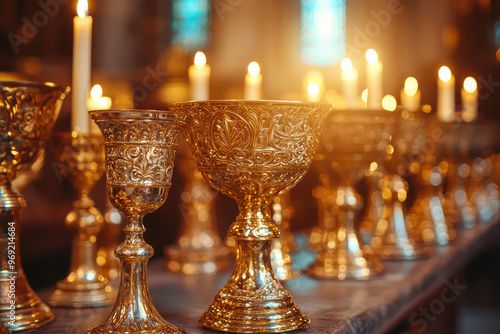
(28, 112)
(350, 142)
(252, 151)
(81, 159)
(199, 248)
(140, 150)
(393, 236)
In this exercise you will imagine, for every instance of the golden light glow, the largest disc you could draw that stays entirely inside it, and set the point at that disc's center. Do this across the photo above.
(470, 85)
(389, 103)
(498, 54)
(96, 92)
(253, 69)
(411, 86)
(313, 89)
(199, 59)
(444, 74)
(426, 108)
(346, 65)
(364, 95)
(82, 8)
(371, 57)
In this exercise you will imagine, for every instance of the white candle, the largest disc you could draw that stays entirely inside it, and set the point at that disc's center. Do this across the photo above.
(469, 100)
(253, 82)
(349, 78)
(97, 102)
(446, 95)
(82, 43)
(374, 80)
(410, 95)
(389, 103)
(199, 78)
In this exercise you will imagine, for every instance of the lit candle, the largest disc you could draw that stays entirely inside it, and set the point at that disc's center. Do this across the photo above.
(410, 95)
(364, 97)
(469, 100)
(314, 85)
(97, 102)
(82, 43)
(373, 80)
(253, 82)
(349, 78)
(313, 91)
(446, 95)
(389, 103)
(199, 77)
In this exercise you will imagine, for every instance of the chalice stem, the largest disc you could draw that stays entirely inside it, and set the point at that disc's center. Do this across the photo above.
(128, 315)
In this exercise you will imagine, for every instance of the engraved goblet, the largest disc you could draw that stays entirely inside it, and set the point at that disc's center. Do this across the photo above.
(81, 157)
(252, 151)
(28, 112)
(140, 150)
(350, 141)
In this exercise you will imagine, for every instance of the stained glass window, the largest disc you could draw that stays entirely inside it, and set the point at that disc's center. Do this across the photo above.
(191, 24)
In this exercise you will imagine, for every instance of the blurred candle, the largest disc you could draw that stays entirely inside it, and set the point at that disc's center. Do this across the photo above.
(97, 102)
(446, 95)
(82, 43)
(349, 78)
(389, 103)
(373, 80)
(410, 95)
(199, 78)
(253, 82)
(469, 100)
(313, 92)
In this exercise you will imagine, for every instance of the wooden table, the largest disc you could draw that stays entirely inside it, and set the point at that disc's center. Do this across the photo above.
(333, 306)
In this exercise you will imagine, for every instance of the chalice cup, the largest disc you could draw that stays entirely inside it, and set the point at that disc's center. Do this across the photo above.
(28, 112)
(139, 153)
(350, 142)
(199, 248)
(252, 151)
(81, 159)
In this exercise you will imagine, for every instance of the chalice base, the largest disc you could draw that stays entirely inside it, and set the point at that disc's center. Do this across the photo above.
(94, 294)
(270, 309)
(30, 311)
(191, 261)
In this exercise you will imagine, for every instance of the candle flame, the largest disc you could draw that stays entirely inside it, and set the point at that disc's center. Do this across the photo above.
(389, 103)
(470, 85)
(82, 8)
(371, 57)
(96, 92)
(346, 65)
(313, 89)
(199, 59)
(411, 86)
(364, 95)
(253, 69)
(444, 74)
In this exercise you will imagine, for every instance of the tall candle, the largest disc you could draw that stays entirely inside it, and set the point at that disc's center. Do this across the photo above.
(374, 80)
(199, 78)
(469, 100)
(410, 95)
(82, 39)
(97, 102)
(446, 95)
(253, 82)
(349, 78)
